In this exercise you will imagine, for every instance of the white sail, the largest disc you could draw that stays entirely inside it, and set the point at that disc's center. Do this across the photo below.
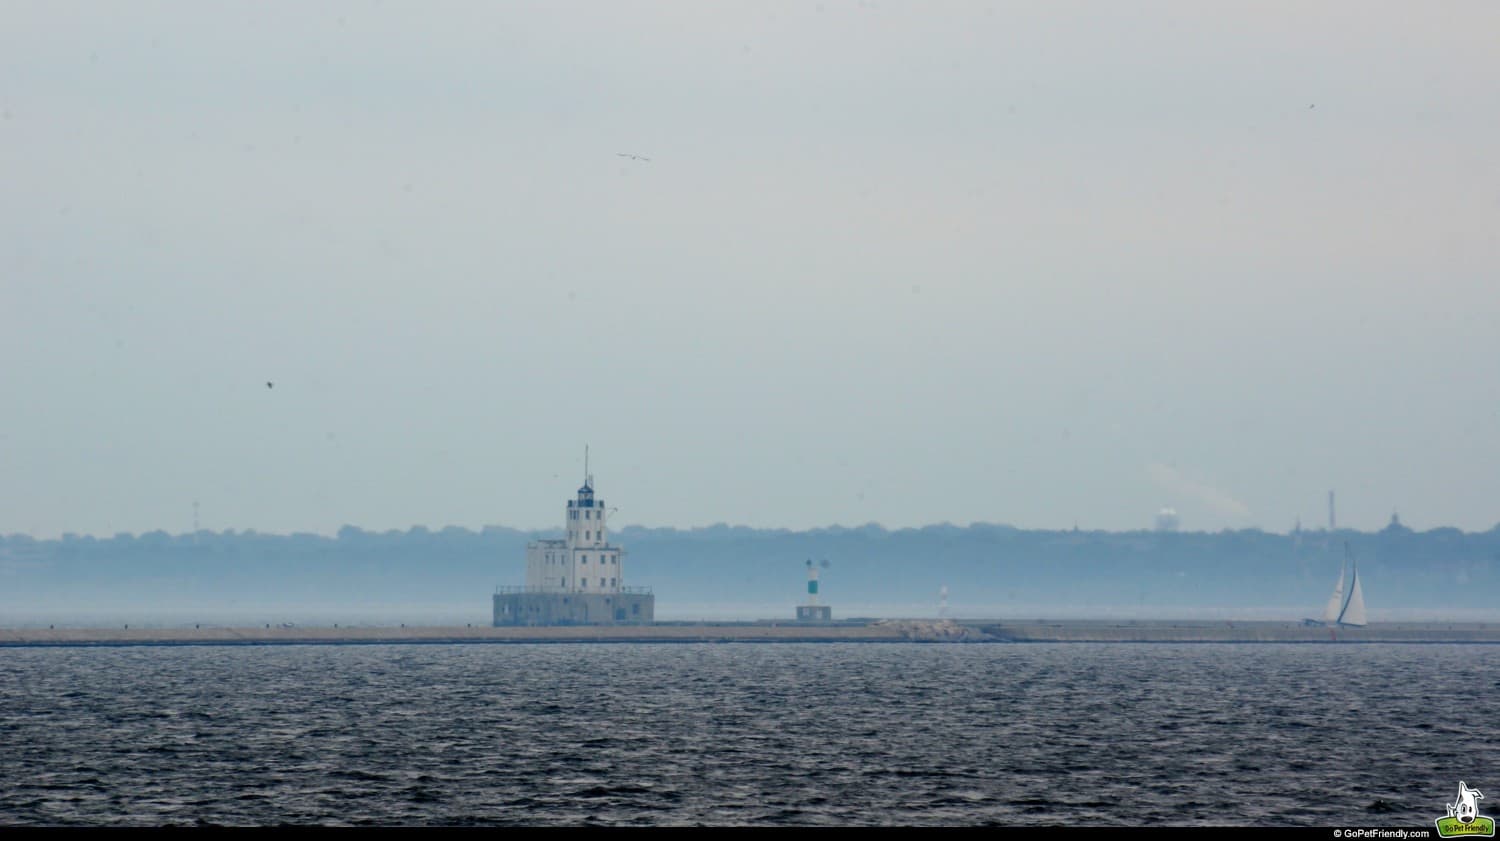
(1354, 609)
(1336, 601)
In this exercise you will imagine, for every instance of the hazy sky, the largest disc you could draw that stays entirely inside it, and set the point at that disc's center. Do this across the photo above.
(1032, 263)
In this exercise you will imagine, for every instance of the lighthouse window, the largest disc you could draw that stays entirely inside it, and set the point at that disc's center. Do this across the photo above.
(601, 582)
(611, 582)
(584, 558)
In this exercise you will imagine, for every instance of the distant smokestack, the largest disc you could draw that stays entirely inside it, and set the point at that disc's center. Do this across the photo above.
(1333, 522)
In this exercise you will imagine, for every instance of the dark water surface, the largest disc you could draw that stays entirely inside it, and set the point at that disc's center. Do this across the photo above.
(785, 734)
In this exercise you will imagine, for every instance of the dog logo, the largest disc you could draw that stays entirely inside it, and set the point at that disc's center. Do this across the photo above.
(1464, 820)
(1464, 808)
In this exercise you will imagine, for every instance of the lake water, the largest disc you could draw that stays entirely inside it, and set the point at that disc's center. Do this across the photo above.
(758, 734)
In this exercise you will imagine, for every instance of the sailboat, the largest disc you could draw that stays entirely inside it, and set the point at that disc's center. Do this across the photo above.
(1353, 614)
(1344, 610)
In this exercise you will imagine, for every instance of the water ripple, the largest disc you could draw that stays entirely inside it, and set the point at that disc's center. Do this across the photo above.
(786, 734)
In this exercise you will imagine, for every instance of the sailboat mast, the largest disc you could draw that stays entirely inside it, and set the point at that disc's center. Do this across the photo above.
(1354, 582)
(1336, 601)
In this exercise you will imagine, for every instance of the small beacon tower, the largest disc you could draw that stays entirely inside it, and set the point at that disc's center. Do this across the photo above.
(578, 580)
(812, 611)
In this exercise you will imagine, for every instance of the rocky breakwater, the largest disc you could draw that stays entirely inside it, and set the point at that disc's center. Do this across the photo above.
(933, 630)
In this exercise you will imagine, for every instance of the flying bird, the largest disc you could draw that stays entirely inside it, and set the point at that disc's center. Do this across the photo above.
(634, 157)
(268, 385)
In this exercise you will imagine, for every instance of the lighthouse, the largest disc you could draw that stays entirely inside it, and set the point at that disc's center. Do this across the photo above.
(578, 580)
(584, 561)
(812, 611)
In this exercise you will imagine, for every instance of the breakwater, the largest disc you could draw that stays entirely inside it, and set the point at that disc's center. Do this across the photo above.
(884, 630)
(1234, 631)
(888, 631)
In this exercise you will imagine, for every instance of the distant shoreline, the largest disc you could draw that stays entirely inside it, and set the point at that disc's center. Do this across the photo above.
(919, 631)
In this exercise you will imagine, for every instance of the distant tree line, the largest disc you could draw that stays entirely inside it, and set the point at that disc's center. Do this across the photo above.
(987, 564)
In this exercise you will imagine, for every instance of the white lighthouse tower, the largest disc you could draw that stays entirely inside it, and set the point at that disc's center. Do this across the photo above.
(812, 611)
(576, 580)
(584, 561)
